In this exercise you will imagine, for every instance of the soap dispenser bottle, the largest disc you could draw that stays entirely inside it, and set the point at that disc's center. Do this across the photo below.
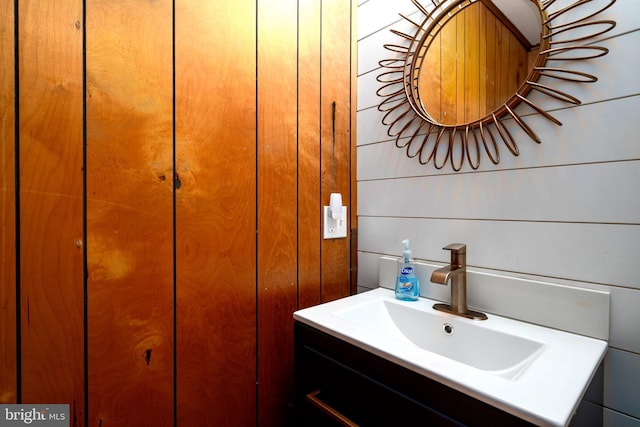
(407, 284)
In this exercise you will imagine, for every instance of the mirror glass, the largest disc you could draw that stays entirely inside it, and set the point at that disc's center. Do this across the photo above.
(477, 59)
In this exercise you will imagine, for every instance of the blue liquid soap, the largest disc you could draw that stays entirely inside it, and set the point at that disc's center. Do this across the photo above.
(407, 284)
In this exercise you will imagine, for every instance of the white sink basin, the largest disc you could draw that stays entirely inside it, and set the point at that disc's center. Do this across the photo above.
(536, 373)
(469, 342)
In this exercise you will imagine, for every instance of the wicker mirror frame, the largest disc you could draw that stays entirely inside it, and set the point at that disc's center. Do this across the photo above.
(428, 140)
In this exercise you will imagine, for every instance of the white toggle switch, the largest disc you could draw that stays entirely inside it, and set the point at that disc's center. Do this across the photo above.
(335, 218)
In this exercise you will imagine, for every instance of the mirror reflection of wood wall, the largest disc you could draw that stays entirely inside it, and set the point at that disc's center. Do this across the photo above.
(472, 66)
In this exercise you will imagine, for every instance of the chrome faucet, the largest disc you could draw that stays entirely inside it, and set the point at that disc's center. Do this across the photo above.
(457, 272)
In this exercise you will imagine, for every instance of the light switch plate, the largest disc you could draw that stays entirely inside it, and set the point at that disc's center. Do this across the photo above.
(334, 228)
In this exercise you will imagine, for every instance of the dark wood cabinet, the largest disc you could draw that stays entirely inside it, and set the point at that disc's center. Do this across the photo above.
(338, 383)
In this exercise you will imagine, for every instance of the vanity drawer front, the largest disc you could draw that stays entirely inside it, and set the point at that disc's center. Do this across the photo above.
(372, 391)
(330, 390)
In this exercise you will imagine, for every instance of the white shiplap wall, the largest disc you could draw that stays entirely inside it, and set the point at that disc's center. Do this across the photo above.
(567, 210)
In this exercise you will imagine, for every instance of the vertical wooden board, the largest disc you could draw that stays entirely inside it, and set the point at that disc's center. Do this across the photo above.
(336, 137)
(309, 185)
(523, 69)
(216, 212)
(482, 60)
(130, 212)
(51, 205)
(532, 56)
(449, 72)
(431, 79)
(517, 64)
(505, 48)
(499, 74)
(277, 207)
(490, 26)
(460, 68)
(472, 49)
(8, 374)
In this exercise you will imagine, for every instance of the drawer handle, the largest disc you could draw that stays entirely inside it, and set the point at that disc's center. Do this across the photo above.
(331, 412)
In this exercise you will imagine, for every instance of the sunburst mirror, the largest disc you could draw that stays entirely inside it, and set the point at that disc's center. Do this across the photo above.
(457, 74)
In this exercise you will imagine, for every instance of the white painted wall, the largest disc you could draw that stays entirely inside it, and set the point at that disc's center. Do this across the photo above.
(565, 211)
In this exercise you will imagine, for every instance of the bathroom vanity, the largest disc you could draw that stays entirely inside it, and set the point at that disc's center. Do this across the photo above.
(371, 360)
(338, 383)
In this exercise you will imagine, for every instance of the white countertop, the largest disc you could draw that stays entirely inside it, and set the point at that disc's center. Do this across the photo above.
(546, 392)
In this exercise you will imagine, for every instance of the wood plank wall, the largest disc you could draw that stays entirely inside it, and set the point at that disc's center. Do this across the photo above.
(216, 213)
(172, 158)
(277, 187)
(473, 65)
(336, 119)
(51, 261)
(129, 144)
(8, 337)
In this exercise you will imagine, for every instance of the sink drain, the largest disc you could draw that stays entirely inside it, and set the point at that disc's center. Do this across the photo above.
(447, 328)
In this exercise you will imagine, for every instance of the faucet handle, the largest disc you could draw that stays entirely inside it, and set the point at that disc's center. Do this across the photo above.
(458, 248)
(458, 254)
